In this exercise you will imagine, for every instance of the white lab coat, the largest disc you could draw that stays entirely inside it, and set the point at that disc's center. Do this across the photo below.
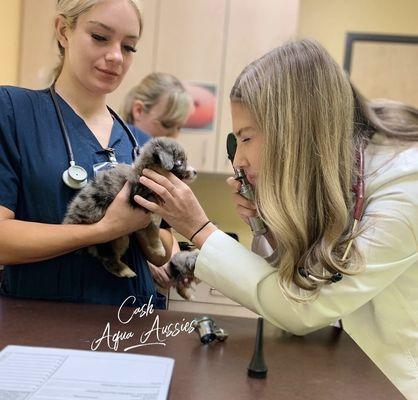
(378, 307)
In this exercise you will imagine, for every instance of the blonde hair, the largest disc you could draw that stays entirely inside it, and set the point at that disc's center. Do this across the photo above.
(304, 105)
(71, 10)
(150, 90)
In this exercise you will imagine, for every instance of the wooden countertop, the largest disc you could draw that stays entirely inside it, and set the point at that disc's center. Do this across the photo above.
(325, 364)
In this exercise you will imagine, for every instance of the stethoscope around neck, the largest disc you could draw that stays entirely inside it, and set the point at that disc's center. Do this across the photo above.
(76, 176)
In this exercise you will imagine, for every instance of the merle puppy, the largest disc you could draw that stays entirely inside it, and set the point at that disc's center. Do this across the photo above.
(90, 204)
(182, 266)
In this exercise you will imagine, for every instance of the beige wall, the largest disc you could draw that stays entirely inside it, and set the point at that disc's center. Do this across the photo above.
(9, 42)
(328, 20)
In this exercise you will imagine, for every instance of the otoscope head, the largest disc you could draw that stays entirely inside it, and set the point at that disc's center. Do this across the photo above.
(231, 146)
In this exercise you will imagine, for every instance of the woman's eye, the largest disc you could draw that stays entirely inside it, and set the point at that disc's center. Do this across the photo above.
(98, 37)
(130, 48)
(245, 140)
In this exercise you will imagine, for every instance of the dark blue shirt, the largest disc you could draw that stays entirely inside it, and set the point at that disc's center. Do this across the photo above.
(33, 157)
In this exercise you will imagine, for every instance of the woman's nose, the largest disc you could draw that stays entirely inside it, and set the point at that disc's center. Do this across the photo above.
(114, 55)
(240, 160)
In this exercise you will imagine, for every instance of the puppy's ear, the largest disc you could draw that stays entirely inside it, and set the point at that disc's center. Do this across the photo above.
(165, 159)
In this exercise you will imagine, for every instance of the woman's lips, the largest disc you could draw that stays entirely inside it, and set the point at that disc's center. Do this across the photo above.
(251, 179)
(108, 72)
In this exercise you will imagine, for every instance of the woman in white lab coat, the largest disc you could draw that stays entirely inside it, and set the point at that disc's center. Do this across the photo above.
(312, 147)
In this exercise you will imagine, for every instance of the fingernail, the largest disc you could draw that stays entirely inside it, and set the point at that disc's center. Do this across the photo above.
(142, 179)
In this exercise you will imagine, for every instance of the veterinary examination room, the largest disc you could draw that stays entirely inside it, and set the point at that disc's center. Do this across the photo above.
(209, 199)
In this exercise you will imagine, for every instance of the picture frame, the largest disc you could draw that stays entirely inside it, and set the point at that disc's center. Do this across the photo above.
(383, 66)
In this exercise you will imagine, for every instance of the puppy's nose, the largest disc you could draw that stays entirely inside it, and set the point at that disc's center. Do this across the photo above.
(192, 172)
(190, 175)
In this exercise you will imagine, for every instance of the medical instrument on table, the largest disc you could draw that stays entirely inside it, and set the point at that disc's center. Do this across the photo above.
(207, 330)
(257, 367)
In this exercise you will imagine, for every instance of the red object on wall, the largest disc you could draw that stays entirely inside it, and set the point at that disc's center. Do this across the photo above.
(204, 101)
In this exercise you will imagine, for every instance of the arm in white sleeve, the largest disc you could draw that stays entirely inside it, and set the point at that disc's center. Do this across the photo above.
(389, 246)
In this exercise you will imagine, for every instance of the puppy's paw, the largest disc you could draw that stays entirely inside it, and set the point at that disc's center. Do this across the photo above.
(185, 291)
(126, 273)
(158, 250)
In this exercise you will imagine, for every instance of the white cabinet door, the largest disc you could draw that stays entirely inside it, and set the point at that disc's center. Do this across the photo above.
(207, 300)
(190, 45)
(253, 29)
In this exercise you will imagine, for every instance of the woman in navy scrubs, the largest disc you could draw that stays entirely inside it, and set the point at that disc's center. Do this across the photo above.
(97, 44)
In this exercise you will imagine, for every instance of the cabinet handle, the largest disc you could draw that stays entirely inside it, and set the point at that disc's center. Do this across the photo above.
(215, 293)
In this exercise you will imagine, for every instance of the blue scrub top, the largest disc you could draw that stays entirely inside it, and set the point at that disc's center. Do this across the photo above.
(33, 157)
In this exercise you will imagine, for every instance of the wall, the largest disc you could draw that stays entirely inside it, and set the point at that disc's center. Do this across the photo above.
(328, 20)
(9, 43)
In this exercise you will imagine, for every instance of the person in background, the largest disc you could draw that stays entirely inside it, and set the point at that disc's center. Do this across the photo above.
(97, 40)
(336, 181)
(159, 106)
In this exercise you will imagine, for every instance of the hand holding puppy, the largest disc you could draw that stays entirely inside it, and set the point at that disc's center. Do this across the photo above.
(179, 208)
(121, 218)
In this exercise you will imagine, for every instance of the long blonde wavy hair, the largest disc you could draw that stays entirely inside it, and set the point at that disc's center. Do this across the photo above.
(313, 122)
(71, 10)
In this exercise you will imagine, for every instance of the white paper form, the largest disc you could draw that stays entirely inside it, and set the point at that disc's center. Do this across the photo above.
(40, 373)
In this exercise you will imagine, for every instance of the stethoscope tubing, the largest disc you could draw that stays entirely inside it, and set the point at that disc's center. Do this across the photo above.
(66, 137)
(62, 125)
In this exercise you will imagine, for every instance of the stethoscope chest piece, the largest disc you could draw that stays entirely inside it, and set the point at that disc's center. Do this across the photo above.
(75, 177)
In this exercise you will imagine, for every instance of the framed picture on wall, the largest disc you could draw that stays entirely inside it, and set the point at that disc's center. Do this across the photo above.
(383, 66)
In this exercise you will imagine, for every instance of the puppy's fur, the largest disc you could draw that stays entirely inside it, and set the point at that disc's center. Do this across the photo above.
(90, 204)
(182, 266)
